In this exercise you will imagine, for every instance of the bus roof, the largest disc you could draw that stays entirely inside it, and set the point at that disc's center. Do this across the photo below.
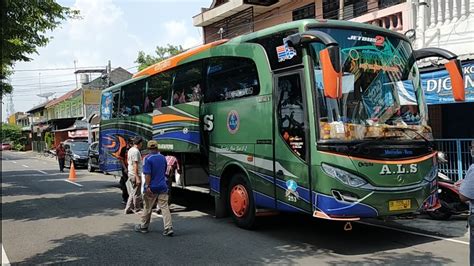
(300, 25)
(174, 61)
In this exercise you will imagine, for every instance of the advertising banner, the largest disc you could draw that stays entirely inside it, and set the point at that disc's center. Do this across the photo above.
(437, 85)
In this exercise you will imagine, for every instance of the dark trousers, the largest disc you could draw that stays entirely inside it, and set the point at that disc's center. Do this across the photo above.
(123, 186)
(61, 164)
(471, 239)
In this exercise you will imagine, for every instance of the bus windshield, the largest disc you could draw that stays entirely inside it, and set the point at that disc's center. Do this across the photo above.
(381, 91)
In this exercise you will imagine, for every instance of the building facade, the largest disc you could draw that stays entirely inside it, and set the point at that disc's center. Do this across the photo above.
(227, 19)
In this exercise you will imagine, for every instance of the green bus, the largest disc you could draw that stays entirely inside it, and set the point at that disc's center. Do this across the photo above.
(315, 116)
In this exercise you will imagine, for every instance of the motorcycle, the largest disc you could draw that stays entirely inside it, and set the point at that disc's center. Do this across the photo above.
(448, 196)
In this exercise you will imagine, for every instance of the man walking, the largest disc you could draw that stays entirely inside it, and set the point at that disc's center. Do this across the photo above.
(156, 189)
(467, 194)
(124, 178)
(134, 159)
(61, 155)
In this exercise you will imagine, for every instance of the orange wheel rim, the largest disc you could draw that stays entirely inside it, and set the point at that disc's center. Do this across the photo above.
(239, 200)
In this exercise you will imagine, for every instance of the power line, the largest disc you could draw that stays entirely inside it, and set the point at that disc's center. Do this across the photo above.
(42, 83)
(56, 69)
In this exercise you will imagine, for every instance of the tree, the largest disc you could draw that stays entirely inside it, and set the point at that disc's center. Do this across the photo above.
(24, 27)
(162, 53)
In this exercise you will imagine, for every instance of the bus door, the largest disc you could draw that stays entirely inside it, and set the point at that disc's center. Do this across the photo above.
(291, 140)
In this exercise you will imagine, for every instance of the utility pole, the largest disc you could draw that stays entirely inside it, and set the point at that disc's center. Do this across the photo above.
(75, 74)
(341, 9)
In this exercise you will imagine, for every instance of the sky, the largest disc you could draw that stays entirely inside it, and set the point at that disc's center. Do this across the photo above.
(112, 30)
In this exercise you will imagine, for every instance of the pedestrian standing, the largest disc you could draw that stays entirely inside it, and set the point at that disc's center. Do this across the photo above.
(466, 193)
(171, 168)
(156, 189)
(123, 180)
(61, 155)
(134, 159)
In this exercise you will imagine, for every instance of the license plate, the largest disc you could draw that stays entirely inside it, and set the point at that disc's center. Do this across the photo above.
(398, 205)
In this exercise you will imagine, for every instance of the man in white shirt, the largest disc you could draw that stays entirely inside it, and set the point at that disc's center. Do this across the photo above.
(135, 168)
(466, 193)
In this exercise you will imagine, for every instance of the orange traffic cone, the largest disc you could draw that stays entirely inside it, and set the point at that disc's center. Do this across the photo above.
(72, 172)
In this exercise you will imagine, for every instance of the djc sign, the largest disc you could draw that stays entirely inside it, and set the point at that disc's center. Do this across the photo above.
(437, 85)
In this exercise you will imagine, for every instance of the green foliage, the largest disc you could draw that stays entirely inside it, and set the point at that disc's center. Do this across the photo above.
(48, 138)
(24, 27)
(11, 133)
(162, 53)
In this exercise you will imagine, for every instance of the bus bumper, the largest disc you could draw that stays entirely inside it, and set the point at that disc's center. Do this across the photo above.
(344, 205)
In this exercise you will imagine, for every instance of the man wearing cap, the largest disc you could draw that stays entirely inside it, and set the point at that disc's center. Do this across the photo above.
(156, 189)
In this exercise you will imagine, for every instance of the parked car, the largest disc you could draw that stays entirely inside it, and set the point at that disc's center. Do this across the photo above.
(77, 152)
(93, 154)
(6, 146)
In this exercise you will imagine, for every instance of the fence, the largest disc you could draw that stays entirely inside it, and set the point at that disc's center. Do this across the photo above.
(458, 152)
(38, 146)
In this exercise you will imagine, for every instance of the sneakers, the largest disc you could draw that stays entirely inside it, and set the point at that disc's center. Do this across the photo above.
(138, 228)
(168, 232)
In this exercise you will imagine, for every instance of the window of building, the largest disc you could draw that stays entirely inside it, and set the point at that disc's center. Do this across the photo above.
(388, 3)
(304, 12)
(132, 98)
(330, 9)
(230, 78)
(159, 91)
(188, 85)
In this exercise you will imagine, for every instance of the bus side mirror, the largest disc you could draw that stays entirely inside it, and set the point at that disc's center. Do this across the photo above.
(453, 67)
(457, 83)
(330, 60)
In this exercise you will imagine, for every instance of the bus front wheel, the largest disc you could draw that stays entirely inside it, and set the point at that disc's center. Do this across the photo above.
(241, 203)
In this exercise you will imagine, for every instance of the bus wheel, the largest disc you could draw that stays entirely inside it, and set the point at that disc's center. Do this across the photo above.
(241, 202)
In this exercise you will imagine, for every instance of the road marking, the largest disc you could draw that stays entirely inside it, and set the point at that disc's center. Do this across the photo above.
(415, 233)
(43, 172)
(5, 260)
(13, 162)
(74, 183)
(25, 166)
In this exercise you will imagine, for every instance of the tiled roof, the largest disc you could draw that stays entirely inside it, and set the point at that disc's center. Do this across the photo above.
(116, 76)
(67, 95)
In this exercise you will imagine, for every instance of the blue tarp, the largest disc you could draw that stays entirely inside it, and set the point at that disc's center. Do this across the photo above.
(437, 85)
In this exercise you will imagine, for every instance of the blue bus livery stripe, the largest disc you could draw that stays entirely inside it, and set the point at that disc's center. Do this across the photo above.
(214, 183)
(191, 137)
(287, 207)
(263, 200)
(175, 124)
(302, 191)
(331, 206)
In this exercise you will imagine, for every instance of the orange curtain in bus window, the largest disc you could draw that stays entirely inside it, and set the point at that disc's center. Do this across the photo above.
(332, 74)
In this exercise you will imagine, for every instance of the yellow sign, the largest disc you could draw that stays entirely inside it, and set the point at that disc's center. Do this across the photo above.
(92, 96)
(398, 205)
(12, 119)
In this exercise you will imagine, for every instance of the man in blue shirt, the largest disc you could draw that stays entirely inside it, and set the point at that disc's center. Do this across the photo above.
(156, 189)
(466, 193)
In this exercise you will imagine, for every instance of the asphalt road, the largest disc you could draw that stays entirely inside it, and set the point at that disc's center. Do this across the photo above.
(48, 220)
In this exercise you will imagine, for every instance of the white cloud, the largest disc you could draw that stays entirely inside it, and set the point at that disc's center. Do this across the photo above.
(178, 33)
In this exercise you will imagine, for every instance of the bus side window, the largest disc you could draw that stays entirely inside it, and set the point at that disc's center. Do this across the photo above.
(290, 113)
(132, 99)
(230, 78)
(159, 91)
(115, 105)
(187, 86)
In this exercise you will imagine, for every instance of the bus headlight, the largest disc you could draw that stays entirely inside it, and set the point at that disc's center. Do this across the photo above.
(75, 156)
(343, 176)
(432, 174)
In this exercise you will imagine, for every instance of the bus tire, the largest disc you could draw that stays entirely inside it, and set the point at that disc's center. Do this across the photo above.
(241, 202)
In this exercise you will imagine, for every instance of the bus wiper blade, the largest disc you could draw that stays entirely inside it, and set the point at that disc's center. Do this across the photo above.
(367, 142)
(404, 129)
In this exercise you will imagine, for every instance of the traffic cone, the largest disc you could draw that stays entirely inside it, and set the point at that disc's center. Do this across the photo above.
(72, 172)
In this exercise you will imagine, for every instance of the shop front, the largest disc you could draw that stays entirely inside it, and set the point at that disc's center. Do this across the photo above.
(452, 122)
